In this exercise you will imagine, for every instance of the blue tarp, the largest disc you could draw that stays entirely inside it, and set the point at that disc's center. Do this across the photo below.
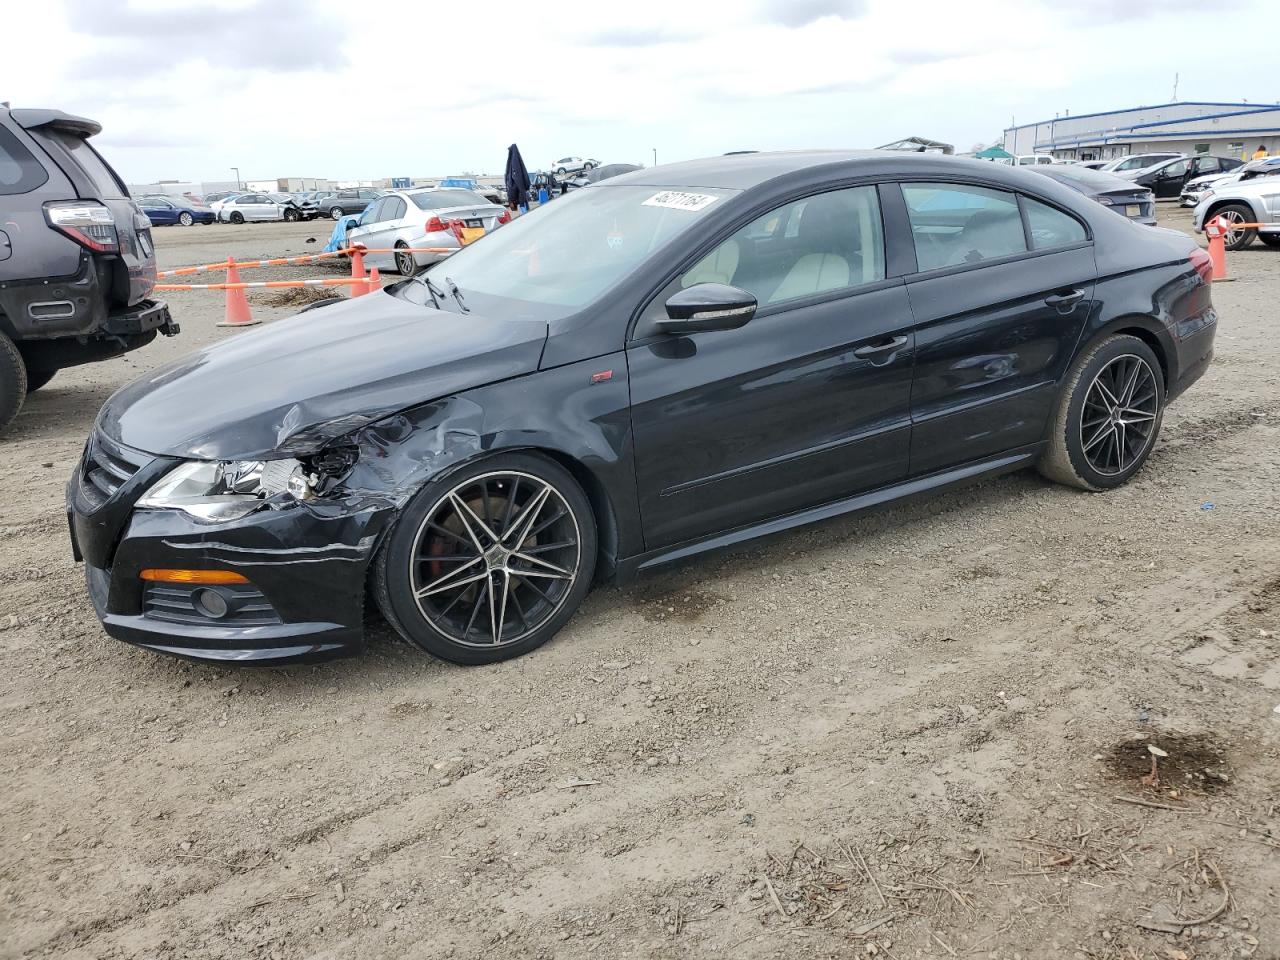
(338, 239)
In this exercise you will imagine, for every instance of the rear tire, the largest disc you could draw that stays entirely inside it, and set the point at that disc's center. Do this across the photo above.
(335, 213)
(13, 381)
(1237, 213)
(38, 378)
(1270, 239)
(237, 217)
(454, 622)
(1095, 444)
(406, 265)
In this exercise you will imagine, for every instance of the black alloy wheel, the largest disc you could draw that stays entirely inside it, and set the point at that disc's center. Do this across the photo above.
(489, 562)
(290, 214)
(1108, 416)
(236, 217)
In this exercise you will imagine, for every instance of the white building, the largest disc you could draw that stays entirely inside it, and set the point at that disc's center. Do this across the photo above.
(1222, 129)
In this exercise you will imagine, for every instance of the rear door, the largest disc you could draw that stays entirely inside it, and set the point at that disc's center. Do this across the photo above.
(1003, 286)
(375, 233)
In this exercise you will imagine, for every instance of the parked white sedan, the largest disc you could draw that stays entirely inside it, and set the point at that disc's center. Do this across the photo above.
(252, 206)
(434, 217)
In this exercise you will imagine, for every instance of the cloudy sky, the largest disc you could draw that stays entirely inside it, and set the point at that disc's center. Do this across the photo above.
(186, 90)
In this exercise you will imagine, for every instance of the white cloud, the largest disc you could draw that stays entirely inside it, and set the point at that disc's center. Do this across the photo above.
(293, 88)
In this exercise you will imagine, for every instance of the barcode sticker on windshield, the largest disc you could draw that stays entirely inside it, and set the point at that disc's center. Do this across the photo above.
(677, 200)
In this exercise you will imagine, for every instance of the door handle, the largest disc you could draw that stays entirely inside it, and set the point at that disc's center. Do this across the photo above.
(1068, 299)
(883, 346)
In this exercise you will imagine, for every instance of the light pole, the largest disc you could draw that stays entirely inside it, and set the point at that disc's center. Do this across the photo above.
(237, 172)
(655, 156)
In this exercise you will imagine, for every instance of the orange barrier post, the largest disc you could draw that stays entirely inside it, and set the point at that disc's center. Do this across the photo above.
(237, 312)
(357, 271)
(375, 281)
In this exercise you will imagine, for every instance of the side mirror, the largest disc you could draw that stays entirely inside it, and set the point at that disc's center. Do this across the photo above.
(707, 306)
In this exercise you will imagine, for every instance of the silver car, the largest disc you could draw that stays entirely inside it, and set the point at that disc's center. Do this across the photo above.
(252, 206)
(432, 217)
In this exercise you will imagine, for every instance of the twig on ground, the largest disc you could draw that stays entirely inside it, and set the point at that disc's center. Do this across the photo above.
(1160, 925)
(773, 895)
(1153, 805)
(870, 876)
(945, 946)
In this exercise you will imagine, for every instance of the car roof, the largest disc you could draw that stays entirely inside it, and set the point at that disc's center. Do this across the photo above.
(744, 171)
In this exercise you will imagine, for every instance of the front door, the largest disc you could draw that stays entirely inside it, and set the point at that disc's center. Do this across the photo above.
(1004, 288)
(807, 403)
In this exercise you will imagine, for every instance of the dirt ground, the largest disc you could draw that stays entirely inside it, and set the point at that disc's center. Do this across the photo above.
(914, 734)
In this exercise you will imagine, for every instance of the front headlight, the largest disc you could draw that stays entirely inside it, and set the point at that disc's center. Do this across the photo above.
(212, 490)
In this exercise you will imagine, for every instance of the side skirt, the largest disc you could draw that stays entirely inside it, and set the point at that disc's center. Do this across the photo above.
(629, 568)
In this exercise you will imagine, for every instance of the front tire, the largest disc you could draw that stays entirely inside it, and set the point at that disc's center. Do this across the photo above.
(1108, 416)
(186, 219)
(290, 215)
(13, 381)
(335, 213)
(490, 561)
(237, 218)
(1236, 238)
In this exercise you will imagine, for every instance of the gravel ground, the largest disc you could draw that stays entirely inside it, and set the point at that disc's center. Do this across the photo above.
(913, 734)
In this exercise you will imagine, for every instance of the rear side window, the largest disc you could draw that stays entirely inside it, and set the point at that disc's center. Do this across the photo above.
(953, 224)
(20, 172)
(1050, 227)
(109, 186)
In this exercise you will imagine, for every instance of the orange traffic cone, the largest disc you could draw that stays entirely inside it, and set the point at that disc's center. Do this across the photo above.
(1217, 231)
(375, 281)
(237, 313)
(357, 271)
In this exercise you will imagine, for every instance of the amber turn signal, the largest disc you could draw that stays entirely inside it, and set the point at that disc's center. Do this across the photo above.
(193, 576)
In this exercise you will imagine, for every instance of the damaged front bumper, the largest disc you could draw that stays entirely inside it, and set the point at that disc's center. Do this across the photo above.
(304, 568)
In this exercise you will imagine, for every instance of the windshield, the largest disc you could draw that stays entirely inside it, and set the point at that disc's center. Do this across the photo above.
(550, 262)
(439, 199)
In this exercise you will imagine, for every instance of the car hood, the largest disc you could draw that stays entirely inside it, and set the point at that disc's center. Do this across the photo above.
(292, 386)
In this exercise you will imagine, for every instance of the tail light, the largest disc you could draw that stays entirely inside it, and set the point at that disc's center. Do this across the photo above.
(456, 227)
(87, 223)
(504, 216)
(435, 225)
(1203, 264)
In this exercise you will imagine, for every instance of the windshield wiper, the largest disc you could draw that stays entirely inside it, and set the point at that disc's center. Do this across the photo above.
(436, 293)
(457, 294)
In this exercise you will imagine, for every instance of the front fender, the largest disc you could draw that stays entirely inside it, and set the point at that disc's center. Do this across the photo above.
(571, 413)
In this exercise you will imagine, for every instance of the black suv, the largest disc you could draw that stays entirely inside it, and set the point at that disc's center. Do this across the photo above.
(77, 266)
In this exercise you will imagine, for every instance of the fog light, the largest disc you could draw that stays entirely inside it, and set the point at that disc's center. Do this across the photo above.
(211, 603)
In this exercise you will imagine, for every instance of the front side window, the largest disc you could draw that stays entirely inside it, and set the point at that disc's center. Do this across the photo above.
(828, 242)
(1051, 227)
(953, 224)
(551, 262)
(1178, 169)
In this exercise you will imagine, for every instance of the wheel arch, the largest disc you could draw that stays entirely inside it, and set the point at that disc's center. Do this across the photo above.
(1147, 329)
(1220, 202)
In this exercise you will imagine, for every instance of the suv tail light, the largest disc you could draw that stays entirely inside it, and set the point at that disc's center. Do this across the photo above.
(504, 216)
(1203, 264)
(435, 225)
(87, 223)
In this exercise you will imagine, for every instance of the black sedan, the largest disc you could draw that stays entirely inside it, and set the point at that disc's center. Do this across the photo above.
(675, 360)
(1133, 202)
(1167, 179)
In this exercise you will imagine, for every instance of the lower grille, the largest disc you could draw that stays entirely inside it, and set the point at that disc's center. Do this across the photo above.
(105, 468)
(231, 605)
